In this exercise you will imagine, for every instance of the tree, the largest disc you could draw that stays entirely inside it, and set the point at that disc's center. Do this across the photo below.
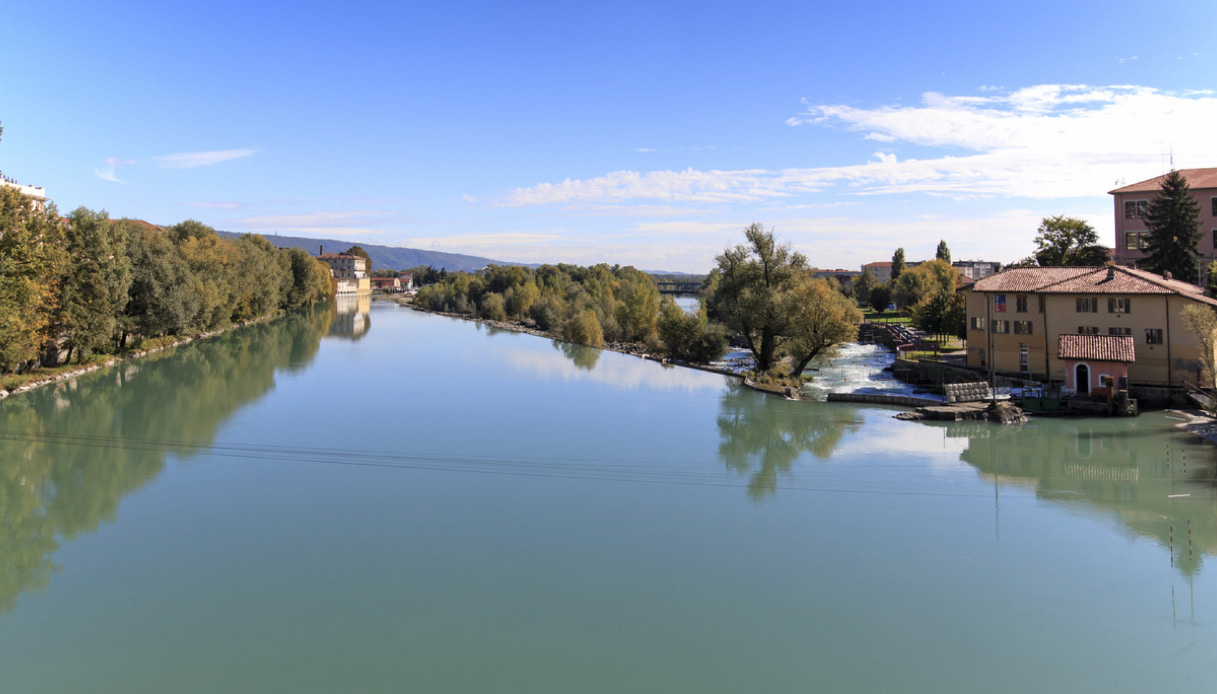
(897, 265)
(31, 263)
(822, 318)
(1064, 241)
(94, 289)
(1201, 321)
(1173, 221)
(925, 280)
(687, 336)
(880, 297)
(863, 286)
(750, 292)
(944, 253)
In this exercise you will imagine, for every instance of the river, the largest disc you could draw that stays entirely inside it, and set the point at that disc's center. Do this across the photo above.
(396, 501)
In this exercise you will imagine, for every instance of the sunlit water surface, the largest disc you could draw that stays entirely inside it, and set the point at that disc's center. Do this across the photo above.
(415, 503)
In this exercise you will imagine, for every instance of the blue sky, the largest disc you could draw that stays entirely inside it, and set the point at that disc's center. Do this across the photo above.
(645, 133)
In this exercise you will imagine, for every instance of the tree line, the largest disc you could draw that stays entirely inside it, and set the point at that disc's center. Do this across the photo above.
(87, 284)
(761, 294)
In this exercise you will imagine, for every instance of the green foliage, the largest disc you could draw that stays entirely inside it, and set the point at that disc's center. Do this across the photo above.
(95, 286)
(1201, 322)
(897, 265)
(863, 286)
(750, 292)
(584, 329)
(942, 313)
(689, 337)
(881, 297)
(924, 281)
(85, 284)
(1173, 221)
(1211, 280)
(1067, 241)
(32, 259)
(821, 319)
(623, 301)
(943, 253)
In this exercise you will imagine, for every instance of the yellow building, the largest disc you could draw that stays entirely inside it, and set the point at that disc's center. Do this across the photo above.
(1016, 318)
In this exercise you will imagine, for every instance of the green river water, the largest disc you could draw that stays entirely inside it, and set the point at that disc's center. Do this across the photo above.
(401, 502)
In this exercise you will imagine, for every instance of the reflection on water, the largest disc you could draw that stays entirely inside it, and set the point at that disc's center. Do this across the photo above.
(1149, 481)
(585, 358)
(764, 435)
(350, 317)
(70, 453)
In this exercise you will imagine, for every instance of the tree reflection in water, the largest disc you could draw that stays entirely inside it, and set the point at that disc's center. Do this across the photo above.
(69, 453)
(583, 357)
(764, 435)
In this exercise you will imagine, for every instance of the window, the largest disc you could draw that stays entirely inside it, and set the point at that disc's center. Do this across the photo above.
(1088, 304)
(1135, 240)
(1153, 336)
(1214, 201)
(1024, 359)
(1119, 331)
(1135, 209)
(978, 322)
(1119, 304)
(1022, 327)
(1001, 326)
(1020, 303)
(1088, 330)
(999, 303)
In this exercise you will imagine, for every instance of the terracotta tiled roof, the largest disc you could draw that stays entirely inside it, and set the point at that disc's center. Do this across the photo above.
(1196, 179)
(1029, 279)
(1097, 347)
(330, 256)
(1111, 279)
(883, 264)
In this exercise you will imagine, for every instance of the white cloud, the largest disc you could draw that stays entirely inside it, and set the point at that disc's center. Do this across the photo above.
(189, 160)
(108, 169)
(1046, 141)
(469, 199)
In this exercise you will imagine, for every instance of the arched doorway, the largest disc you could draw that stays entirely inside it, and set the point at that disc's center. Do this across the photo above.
(1081, 379)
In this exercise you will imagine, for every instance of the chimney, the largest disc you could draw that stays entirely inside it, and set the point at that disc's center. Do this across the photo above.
(1167, 275)
(1111, 272)
(320, 250)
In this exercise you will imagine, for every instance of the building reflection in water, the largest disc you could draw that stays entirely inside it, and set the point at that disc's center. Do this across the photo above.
(351, 316)
(1159, 485)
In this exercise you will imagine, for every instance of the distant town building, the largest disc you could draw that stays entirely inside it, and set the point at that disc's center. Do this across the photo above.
(35, 193)
(976, 269)
(881, 271)
(845, 277)
(1132, 203)
(407, 280)
(350, 272)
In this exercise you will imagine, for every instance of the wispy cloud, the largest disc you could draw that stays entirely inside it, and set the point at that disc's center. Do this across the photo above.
(108, 169)
(190, 160)
(333, 223)
(1046, 141)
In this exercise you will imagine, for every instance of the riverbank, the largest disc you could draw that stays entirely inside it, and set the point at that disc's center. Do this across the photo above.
(67, 373)
(633, 349)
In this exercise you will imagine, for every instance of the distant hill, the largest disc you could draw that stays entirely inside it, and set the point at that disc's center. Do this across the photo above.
(385, 257)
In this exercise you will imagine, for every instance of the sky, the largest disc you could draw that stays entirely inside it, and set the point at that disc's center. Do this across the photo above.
(647, 134)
